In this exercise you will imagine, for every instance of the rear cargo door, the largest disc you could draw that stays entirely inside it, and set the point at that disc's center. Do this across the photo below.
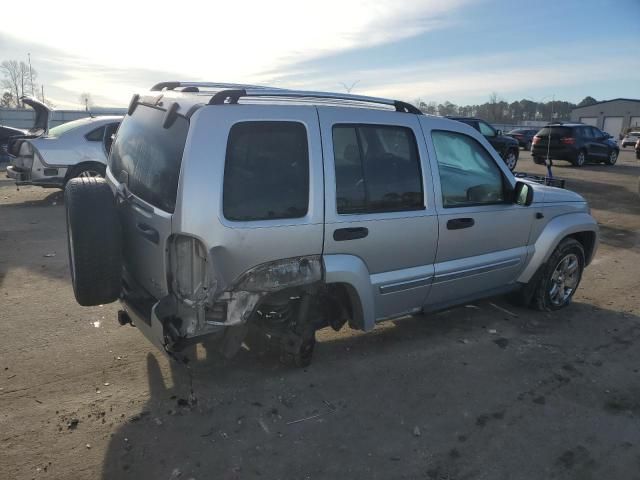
(145, 164)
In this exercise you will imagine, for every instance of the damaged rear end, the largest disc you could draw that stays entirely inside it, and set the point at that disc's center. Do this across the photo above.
(222, 223)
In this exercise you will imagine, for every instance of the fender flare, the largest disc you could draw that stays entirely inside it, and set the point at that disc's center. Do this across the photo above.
(352, 271)
(553, 233)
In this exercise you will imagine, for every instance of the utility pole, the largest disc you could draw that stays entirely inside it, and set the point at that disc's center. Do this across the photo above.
(33, 94)
(42, 87)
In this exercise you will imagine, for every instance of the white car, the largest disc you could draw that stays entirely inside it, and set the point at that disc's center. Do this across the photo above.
(630, 139)
(74, 149)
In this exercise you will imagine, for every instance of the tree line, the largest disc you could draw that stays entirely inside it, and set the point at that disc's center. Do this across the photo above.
(19, 79)
(497, 110)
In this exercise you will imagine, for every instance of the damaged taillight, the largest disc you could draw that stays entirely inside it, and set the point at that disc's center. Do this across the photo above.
(188, 276)
(287, 273)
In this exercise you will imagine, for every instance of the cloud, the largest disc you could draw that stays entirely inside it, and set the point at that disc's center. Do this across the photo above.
(207, 40)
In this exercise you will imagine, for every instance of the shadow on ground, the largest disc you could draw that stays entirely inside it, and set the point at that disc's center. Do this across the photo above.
(487, 390)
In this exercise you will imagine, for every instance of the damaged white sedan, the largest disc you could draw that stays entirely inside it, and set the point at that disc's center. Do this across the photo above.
(74, 149)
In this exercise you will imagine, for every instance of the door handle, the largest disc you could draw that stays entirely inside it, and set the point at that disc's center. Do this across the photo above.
(343, 234)
(460, 223)
(149, 232)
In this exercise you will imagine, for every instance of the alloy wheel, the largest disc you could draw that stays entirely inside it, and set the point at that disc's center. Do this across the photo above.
(564, 279)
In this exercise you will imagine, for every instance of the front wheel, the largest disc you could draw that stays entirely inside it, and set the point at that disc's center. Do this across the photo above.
(560, 276)
(612, 158)
(511, 159)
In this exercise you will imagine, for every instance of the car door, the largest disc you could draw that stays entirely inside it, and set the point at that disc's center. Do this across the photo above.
(379, 203)
(144, 166)
(483, 235)
(599, 144)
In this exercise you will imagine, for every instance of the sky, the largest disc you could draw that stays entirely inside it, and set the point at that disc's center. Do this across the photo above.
(455, 50)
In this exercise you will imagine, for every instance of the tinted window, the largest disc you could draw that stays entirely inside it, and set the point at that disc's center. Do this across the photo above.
(597, 133)
(266, 172)
(95, 135)
(147, 157)
(585, 132)
(377, 169)
(555, 132)
(468, 173)
(486, 130)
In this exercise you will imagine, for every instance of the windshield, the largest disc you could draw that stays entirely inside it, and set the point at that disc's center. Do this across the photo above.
(555, 132)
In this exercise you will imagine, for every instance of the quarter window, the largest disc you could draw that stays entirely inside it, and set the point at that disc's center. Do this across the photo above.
(468, 173)
(95, 135)
(266, 172)
(377, 169)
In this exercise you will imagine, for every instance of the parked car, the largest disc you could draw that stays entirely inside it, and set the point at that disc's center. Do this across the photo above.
(9, 135)
(574, 142)
(524, 136)
(507, 147)
(637, 147)
(74, 149)
(630, 139)
(228, 207)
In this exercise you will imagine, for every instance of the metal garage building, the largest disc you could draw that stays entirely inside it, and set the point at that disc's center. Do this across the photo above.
(612, 116)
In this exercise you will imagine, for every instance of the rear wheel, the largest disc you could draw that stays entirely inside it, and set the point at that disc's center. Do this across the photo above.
(612, 158)
(581, 158)
(94, 241)
(560, 276)
(511, 159)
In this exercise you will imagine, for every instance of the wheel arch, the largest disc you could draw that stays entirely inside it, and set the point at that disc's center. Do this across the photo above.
(350, 274)
(79, 166)
(580, 226)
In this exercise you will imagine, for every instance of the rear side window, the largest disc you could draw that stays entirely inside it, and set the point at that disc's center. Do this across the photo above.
(95, 135)
(266, 173)
(147, 157)
(377, 169)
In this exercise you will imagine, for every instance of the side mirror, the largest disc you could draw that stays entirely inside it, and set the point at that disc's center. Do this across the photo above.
(498, 133)
(523, 194)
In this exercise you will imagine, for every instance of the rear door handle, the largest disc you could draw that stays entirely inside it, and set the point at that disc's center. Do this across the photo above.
(343, 234)
(460, 223)
(149, 232)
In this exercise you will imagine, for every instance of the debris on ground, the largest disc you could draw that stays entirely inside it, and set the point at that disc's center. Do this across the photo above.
(416, 431)
(49, 255)
(73, 423)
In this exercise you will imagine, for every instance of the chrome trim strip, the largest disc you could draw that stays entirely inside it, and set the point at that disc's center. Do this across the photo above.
(405, 285)
(467, 272)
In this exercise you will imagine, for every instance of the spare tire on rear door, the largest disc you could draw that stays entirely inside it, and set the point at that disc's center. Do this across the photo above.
(94, 239)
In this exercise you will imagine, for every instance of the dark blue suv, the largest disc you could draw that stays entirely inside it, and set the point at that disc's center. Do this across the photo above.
(574, 142)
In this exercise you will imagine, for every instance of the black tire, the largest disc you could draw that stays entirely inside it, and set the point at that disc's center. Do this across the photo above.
(581, 158)
(612, 158)
(511, 158)
(87, 170)
(538, 160)
(637, 155)
(94, 239)
(542, 299)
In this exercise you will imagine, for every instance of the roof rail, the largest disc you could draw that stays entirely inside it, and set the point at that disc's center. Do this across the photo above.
(232, 96)
(196, 86)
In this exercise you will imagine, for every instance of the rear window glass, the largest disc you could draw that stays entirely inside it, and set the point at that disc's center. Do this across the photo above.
(555, 132)
(147, 157)
(266, 173)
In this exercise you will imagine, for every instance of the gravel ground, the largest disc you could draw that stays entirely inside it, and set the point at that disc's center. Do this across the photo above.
(483, 391)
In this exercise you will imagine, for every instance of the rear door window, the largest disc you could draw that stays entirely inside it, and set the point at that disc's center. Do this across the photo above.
(147, 157)
(266, 173)
(377, 169)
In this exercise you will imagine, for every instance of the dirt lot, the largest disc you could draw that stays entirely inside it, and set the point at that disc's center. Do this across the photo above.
(485, 391)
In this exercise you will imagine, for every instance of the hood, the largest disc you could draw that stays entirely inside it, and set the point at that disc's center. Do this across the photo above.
(545, 194)
(41, 122)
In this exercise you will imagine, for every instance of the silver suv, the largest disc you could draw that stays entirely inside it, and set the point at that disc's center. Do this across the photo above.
(228, 206)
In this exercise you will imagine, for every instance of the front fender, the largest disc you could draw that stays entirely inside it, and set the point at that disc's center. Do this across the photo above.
(351, 270)
(553, 233)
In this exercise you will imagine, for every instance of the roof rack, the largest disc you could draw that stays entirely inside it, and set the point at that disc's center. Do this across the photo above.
(232, 96)
(197, 86)
(230, 93)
